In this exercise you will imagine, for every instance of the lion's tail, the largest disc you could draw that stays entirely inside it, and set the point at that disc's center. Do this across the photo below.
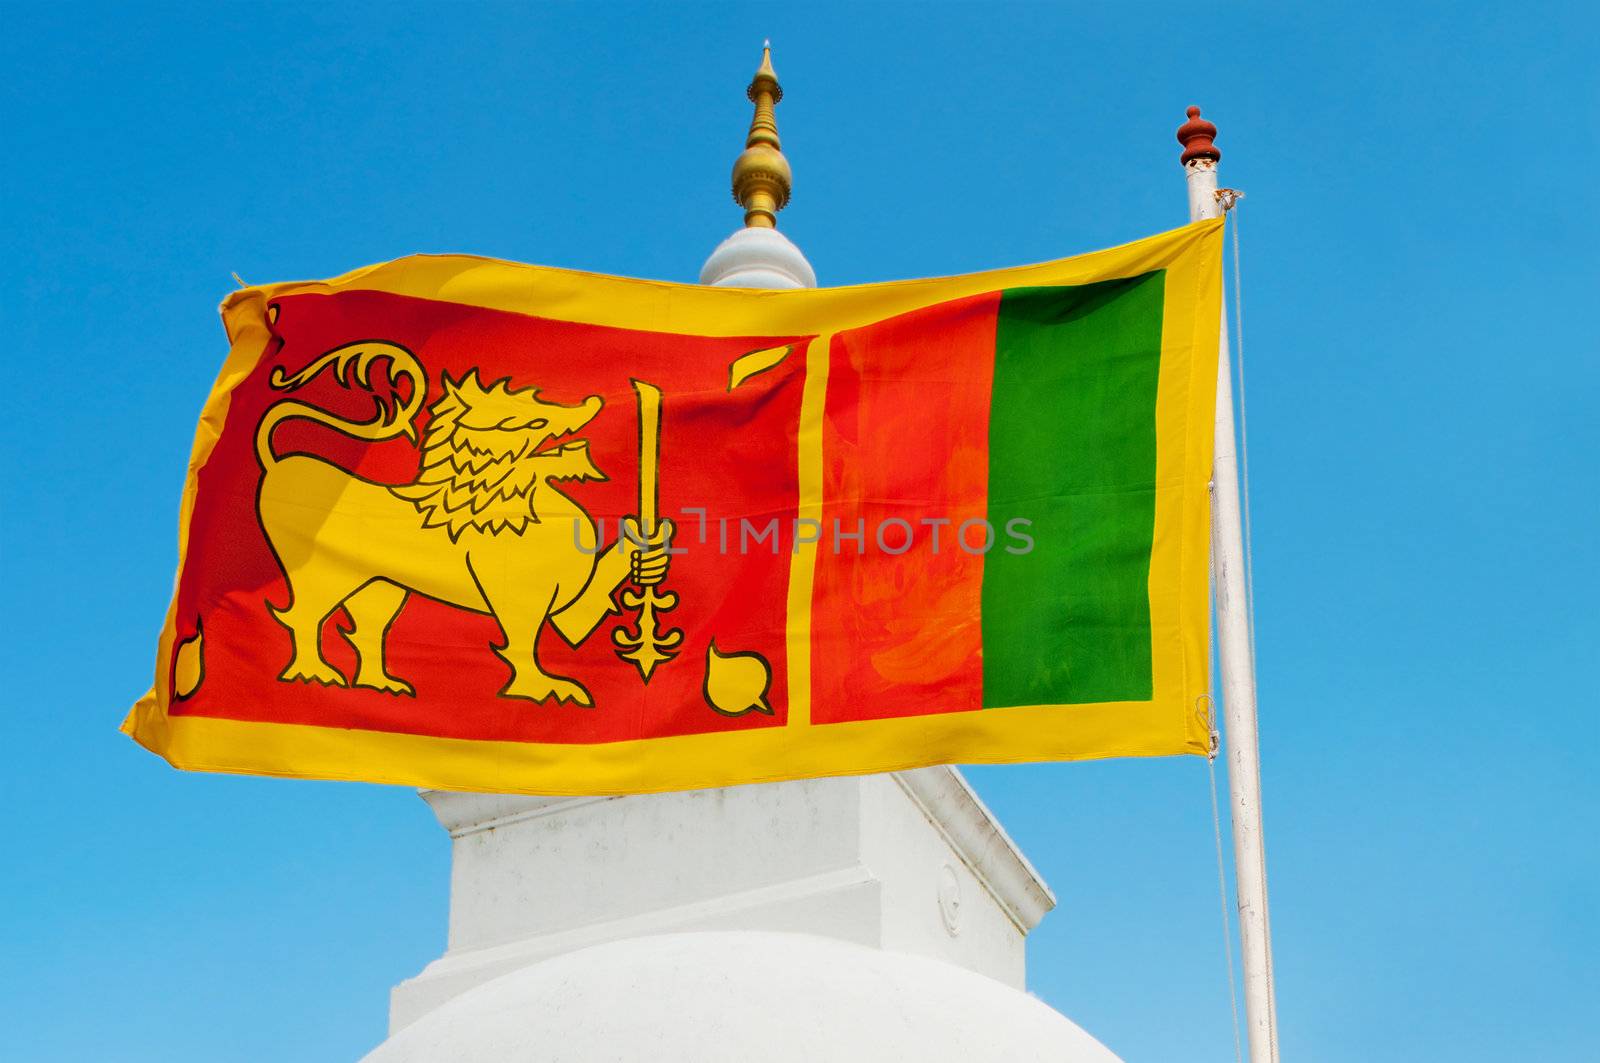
(352, 360)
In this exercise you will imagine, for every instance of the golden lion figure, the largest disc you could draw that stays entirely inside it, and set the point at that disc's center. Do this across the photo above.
(483, 527)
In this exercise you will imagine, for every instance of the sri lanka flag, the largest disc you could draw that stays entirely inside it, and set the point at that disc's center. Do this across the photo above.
(469, 524)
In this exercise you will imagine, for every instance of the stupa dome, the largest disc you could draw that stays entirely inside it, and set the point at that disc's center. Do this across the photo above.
(742, 995)
(758, 258)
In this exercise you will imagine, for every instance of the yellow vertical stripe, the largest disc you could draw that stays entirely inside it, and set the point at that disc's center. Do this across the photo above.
(803, 563)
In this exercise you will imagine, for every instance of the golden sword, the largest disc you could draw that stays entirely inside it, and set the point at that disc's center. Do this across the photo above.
(646, 646)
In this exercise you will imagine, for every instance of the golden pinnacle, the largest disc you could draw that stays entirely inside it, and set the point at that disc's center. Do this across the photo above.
(761, 176)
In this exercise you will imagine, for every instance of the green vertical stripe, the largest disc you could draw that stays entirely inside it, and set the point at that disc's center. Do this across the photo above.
(1072, 449)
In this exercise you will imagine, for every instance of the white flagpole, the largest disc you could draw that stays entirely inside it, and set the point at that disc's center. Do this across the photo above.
(1234, 647)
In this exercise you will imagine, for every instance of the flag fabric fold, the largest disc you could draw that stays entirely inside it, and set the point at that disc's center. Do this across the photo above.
(468, 524)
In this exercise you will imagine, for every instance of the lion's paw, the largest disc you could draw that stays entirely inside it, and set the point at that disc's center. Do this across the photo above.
(568, 691)
(388, 684)
(546, 687)
(312, 672)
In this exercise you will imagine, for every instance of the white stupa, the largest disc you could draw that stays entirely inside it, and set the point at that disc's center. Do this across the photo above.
(875, 919)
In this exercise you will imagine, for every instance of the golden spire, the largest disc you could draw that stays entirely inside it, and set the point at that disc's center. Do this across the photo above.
(761, 177)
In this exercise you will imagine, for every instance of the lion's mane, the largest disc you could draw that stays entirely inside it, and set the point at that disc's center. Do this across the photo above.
(486, 476)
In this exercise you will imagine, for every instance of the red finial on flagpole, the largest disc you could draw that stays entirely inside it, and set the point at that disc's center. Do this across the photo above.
(1196, 135)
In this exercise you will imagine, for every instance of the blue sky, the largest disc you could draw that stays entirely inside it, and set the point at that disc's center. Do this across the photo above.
(1419, 277)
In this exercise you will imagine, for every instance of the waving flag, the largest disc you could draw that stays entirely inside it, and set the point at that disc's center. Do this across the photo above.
(468, 524)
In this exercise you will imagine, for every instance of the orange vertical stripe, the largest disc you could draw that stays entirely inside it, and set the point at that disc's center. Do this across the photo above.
(896, 630)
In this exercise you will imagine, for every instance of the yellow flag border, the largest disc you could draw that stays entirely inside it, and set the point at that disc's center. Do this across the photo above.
(1174, 721)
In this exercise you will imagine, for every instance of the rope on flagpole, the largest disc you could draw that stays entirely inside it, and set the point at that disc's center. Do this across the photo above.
(1229, 198)
(1233, 198)
(1222, 886)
